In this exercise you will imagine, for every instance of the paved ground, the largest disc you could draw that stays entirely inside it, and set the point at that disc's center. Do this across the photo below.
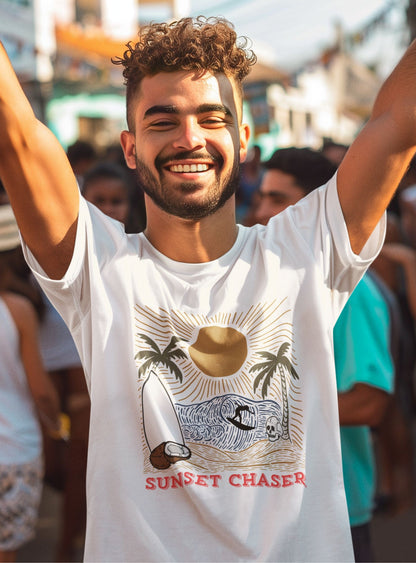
(394, 538)
(43, 547)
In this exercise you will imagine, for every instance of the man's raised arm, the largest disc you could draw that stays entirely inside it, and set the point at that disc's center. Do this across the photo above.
(379, 156)
(37, 176)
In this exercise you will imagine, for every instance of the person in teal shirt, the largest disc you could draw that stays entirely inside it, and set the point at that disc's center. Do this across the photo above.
(363, 359)
(365, 380)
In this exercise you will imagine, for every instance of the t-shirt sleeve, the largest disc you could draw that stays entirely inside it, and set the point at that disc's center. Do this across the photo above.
(362, 341)
(62, 292)
(97, 241)
(319, 221)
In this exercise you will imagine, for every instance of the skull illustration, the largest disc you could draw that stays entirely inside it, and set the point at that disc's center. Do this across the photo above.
(273, 428)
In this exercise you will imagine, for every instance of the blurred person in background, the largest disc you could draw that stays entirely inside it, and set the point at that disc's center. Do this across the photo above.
(136, 221)
(108, 186)
(408, 181)
(251, 172)
(64, 460)
(407, 204)
(363, 357)
(66, 463)
(289, 175)
(396, 266)
(81, 155)
(27, 399)
(365, 381)
(4, 198)
(334, 151)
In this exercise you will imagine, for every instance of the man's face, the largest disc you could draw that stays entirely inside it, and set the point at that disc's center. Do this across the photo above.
(278, 190)
(187, 143)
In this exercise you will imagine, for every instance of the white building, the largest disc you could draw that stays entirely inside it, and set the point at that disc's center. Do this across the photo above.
(329, 99)
(62, 49)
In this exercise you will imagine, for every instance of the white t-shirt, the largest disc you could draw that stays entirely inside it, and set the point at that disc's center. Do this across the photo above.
(214, 424)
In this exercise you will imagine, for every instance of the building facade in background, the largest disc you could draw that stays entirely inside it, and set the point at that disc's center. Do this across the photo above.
(62, 49)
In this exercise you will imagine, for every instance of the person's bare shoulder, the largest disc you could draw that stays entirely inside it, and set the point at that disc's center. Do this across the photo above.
(21, 309)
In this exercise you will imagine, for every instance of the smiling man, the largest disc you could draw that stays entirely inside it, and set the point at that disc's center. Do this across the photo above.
(206, 345)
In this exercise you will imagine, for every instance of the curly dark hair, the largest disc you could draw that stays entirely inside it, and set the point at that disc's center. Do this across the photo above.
(200, 44)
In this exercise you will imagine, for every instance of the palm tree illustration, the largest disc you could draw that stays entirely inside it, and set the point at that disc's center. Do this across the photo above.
(155, 356)
(267, 369)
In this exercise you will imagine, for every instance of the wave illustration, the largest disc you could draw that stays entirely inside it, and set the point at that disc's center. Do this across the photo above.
(230, 422)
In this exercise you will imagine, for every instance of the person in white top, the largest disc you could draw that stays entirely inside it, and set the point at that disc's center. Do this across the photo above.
(26, 395)
(207, 346)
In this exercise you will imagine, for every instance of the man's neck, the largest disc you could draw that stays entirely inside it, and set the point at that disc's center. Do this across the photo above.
(189, 241)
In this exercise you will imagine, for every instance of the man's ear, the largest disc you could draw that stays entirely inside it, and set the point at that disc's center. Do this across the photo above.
(244, 137)
(128, 144)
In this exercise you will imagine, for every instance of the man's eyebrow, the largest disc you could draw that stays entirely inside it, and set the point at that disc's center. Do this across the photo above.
(207, 108)
(203, 108)
(160, 109)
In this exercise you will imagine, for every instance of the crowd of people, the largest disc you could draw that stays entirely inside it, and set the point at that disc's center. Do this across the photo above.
(374, 344)
(68, 387)
(374, 341)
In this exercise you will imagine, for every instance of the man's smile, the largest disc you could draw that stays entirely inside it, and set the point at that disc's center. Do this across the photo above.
(188, 167)
(185, 163)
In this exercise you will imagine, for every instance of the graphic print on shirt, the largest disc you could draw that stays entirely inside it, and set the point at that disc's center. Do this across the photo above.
(219, 393)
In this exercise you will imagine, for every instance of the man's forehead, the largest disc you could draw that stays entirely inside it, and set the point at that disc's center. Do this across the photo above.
(186, 88)
(193, 76)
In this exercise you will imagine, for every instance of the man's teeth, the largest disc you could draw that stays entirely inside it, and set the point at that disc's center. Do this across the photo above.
(189, 168)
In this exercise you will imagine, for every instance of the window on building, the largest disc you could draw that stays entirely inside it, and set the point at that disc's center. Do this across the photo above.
(88, 11)
(99, 131)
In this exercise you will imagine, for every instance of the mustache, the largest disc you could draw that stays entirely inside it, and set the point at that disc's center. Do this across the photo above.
(160, 161)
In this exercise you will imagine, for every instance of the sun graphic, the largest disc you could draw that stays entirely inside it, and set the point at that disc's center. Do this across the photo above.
(219, 349)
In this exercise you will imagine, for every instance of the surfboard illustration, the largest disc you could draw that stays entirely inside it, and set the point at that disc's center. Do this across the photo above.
(161, 426)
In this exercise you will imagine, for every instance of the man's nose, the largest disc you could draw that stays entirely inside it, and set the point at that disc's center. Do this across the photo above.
(190, 136)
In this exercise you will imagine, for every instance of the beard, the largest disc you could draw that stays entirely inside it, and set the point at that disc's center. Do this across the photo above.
(218, 193)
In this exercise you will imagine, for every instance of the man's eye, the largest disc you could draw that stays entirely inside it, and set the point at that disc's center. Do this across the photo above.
(162, 123)
(213, 121)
